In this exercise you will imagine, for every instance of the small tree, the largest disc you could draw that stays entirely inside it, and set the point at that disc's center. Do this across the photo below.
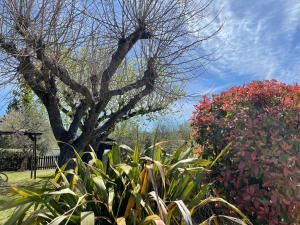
(74, 55)
(29, 121)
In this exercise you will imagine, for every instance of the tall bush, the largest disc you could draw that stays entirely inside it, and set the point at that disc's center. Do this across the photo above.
(261, 172)
(11, 160)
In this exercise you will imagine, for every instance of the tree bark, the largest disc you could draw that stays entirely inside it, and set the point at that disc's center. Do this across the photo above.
(66, 153)
(67, 149)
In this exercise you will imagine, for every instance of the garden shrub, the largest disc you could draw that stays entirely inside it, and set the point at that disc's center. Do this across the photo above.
(261, 171)
(10, 160)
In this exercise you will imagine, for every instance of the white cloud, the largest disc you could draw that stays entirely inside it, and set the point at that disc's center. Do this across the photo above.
(258, 40)
(291, 22)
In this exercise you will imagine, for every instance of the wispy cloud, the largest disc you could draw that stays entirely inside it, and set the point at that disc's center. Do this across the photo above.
(260, 39)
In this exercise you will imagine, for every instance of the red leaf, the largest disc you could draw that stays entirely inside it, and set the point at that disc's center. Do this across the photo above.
(253, 155)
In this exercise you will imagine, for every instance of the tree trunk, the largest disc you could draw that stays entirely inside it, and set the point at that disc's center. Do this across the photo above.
(67, 150)
(66, 153)
(92, 145)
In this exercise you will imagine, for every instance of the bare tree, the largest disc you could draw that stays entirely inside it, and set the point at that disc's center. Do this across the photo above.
(100, 62)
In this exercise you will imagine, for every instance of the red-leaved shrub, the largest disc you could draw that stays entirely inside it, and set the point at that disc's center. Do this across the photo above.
(261, 171)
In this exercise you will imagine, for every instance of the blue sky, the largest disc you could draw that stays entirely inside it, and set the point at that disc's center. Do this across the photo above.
(260, 40)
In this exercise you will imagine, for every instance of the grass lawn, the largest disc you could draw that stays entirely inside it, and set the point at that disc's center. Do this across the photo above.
(20, 179)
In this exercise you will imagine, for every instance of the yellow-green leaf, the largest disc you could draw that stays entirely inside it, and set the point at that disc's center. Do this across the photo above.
(87, 218)
(121, 221)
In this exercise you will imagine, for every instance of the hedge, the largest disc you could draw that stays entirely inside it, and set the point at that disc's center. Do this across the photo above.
(261, 172)
(11, 160)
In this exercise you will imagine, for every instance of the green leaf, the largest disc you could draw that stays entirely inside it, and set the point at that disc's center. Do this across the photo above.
(216, 199)
(188, 189)
(99, 172)
(87, 218)
(185, 153)
(124, 168)
(58, 220)
(180, 186)
(38, 216)
(111, 196)
(135, 158)
(62, 192)
(223, 152)
(60, 173)
(106, 159)
(116, 154)
(180, 163)
(94, 159)
(136, 154)
(183, 210)
(157, 153)
(18, 215)
(8, 204)
(178, 152)
(26, 193)
(203, 162)
(127, 148)
(101, 188)
(200, 196)
(193, 169)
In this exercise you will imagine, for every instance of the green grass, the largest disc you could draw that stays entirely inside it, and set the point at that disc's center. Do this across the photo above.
(19, 179)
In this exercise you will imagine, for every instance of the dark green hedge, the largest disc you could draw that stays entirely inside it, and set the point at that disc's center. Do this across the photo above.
(10, 160)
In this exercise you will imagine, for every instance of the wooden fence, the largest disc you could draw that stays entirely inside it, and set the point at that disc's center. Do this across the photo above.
(45, 162)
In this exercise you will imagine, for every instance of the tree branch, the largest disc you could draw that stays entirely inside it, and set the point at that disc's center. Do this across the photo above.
(36, 43)
(148, 79)
(60, 71)
(117, 115)
(124, 46)
(31, 74)
(79, 113)
(129, 87)
(34, 78)
(141, 112)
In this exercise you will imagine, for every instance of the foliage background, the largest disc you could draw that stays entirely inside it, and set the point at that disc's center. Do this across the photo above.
(26, 113)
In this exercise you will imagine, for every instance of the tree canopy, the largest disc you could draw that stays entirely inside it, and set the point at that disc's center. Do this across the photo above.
(100, 62)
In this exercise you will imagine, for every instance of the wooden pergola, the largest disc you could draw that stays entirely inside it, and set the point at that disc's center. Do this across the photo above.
(32, 136)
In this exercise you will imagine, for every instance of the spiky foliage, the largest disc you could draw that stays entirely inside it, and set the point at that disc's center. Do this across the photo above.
(125, 189)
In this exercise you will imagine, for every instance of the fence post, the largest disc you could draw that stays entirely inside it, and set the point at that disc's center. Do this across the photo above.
(31, 167)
